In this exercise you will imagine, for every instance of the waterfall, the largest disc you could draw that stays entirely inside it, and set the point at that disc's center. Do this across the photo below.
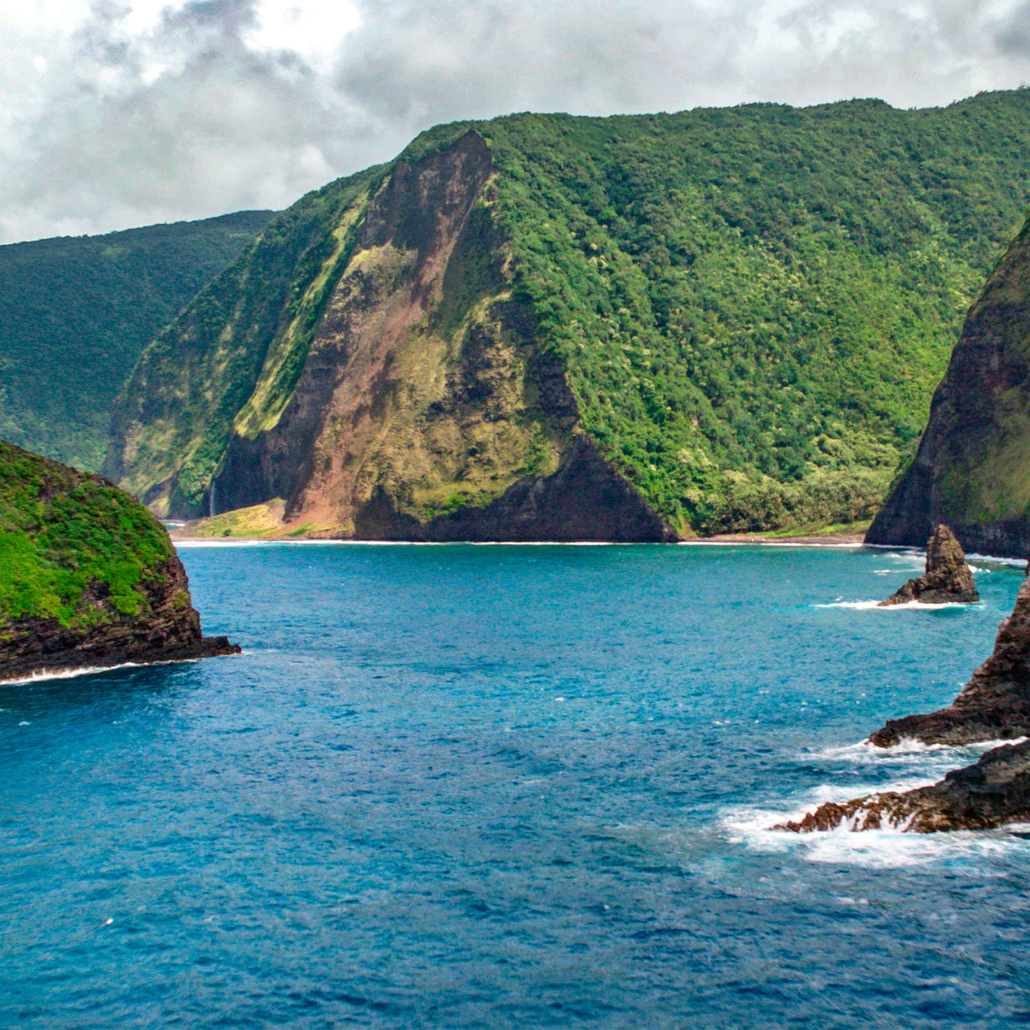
(211, 501)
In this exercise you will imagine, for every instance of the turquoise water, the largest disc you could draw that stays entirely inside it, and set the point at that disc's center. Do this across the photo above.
(507, 787)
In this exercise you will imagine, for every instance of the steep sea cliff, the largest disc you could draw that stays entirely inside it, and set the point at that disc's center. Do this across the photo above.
(971, 467)
(620, 317)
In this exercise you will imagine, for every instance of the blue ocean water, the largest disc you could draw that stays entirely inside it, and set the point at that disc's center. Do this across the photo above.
(511, 787)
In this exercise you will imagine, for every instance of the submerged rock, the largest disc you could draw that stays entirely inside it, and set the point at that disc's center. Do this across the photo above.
(88, 576)
(947, 578)
(993, 792)
(993, 705)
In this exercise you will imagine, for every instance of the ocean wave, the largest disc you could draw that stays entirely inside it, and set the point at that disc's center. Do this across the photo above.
(890, 848)
(875, 605)
(1018, 563)
(44, 675)
(908, 747)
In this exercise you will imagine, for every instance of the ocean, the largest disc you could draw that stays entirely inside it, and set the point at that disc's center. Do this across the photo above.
(508, 787)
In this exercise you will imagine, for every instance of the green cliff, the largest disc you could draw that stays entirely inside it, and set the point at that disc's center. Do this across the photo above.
(88, 575)
(75, 312)
(626, 328)
(972, 469)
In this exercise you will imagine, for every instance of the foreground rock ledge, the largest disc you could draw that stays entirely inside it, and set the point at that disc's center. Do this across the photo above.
(948, 579)
(993, 792)
(994, 704)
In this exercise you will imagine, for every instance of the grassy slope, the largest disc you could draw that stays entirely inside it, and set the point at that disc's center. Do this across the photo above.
(64, 532)
(75, 312)
(753, 305)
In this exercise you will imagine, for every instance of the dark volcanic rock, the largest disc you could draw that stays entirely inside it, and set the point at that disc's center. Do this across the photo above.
(169, 632)
(993, 792)
(994, 704)
(947, 578)
(586, 499)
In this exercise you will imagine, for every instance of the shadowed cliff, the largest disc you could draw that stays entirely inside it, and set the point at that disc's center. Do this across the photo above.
(972, 469)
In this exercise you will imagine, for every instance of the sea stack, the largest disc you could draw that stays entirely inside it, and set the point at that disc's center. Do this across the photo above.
(947, 579)
(88, 576)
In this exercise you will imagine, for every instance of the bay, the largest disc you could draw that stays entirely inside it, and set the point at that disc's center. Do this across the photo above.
(508, 786)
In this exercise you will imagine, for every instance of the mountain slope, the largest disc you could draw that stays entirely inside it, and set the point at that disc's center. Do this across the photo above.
(739, 315)
(972, 469)
(88, 576)
(75, 312)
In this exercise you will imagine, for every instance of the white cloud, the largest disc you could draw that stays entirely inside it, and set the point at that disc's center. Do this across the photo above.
(123, 112)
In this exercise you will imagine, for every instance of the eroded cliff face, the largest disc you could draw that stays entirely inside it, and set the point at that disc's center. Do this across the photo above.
(972, 469)
(167, 629)
(424, 409)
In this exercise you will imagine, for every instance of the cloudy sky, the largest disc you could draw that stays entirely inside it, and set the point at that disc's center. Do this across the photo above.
(116, 113)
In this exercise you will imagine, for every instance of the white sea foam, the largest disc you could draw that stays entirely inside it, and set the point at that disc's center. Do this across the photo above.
(876, 849)
(45, 675)
(919, 765)
(910, 605)
(907, 748)
(1018, 563)
(66, 674)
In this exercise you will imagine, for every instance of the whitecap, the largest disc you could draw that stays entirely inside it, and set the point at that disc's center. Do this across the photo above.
(908, 606)
(45, 675)
(907, 747)
(1017, 563)
(888, 848)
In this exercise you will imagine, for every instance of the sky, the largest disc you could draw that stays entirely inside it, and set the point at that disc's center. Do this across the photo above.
(119, 113)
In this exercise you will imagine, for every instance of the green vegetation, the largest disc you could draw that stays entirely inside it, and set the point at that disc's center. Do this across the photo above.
(751, 306)
(255, 521)
(76, 312)
(69, 540)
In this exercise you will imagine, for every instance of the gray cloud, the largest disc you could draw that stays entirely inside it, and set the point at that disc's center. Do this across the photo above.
(191, 119)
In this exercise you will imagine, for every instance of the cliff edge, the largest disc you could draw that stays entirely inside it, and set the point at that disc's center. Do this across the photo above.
(970, 469)
(88, 576)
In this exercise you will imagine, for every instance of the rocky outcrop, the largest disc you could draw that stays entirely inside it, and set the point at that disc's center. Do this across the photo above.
(169, 631)
(970, 467)
(947, 579)
(88, 577)
(994, 704)
(991, 793)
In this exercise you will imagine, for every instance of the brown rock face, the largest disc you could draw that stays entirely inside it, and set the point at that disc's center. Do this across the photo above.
(947, 578)
(991, 793)
(994, 704)
(169, 632)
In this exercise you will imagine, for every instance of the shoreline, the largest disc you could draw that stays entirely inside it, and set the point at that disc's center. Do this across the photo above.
(808, 540)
